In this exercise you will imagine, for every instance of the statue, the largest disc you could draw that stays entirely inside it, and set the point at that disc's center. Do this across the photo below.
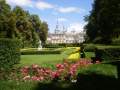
(40, 45)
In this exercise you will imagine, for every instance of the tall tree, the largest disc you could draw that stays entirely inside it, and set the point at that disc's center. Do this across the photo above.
(5, 12)
(20, 24)
(104, 21)
(44, 31)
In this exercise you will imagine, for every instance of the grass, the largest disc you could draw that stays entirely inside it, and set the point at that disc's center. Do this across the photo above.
(40, 59)
(15, 85)
(102, 69)
(45, 60)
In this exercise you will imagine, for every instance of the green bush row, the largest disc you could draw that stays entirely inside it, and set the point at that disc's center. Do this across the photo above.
(41, 52)
(90, 48)
(9, 52)
(116, 41)
(111, 54)
(62, 45)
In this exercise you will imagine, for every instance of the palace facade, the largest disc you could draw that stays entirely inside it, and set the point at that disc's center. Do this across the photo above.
(64, 37)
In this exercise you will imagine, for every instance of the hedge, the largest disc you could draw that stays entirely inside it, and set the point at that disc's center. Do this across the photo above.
(41, 52)
(111, 54)
(90, 48)
(9, 52)
(62, 45)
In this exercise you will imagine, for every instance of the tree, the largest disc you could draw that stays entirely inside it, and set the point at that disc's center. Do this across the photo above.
(103, 22)
(44, 32)
(20, 24)
(4, 22)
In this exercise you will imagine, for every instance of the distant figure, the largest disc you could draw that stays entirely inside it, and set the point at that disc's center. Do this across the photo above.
(98, 56)
(82, 53)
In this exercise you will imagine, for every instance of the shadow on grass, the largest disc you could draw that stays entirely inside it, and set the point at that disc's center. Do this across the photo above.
(117, 64)
(91, 81)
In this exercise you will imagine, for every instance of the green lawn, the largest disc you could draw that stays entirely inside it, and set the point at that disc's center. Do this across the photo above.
(50, 58)
(45, 59)
(40, 59)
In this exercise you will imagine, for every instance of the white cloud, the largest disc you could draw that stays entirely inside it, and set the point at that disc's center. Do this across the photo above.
(27, 3)
(62, 19)
(69, 9)
(77, 27)
(44, 5)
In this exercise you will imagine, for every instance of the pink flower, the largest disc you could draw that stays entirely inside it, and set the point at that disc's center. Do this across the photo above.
(25, 70)
(26, 78)
(61, 70)
(97, 62)
(55, 74)
(35, 66)
(41, 78)
(35, 78)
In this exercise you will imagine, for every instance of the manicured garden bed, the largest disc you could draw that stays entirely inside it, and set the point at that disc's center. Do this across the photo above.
(87, 76)
(100, 76)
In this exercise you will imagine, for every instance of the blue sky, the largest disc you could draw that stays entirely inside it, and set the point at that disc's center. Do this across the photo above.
(69, 13)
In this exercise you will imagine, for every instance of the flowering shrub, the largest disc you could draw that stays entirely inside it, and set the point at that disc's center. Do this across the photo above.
(65, 71)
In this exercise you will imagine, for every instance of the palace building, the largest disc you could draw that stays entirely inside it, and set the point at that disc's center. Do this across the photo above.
(62, 36)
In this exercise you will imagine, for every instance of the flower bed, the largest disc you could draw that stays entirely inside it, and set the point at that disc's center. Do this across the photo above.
(66, 71)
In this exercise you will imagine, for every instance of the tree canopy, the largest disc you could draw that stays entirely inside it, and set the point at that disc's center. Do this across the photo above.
(20, 24)
(103, 21)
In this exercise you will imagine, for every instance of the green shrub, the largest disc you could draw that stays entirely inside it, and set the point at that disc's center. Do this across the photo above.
(97, 40)
(111, 53)
(90, 48)
(35, 52)
(62, 45)
(9, 52)
(116, 41)
(53, 46)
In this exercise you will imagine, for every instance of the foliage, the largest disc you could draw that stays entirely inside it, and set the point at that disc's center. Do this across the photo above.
(116, 41)
(9, 52)
(111, 54)
(90, 48)
(20, 24)
(103, 21)
(41, 52)
(54, 46)
(62, 45)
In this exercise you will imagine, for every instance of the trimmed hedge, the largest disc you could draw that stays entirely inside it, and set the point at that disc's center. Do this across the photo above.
(111, 54)
(40, 52)
(90, 48)
(62, 45)
(9, 52)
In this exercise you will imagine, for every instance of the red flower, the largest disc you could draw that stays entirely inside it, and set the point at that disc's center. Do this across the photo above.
(59, 66)
(55, 74)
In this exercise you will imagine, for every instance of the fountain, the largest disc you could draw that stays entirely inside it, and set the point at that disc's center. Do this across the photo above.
(40, 45)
